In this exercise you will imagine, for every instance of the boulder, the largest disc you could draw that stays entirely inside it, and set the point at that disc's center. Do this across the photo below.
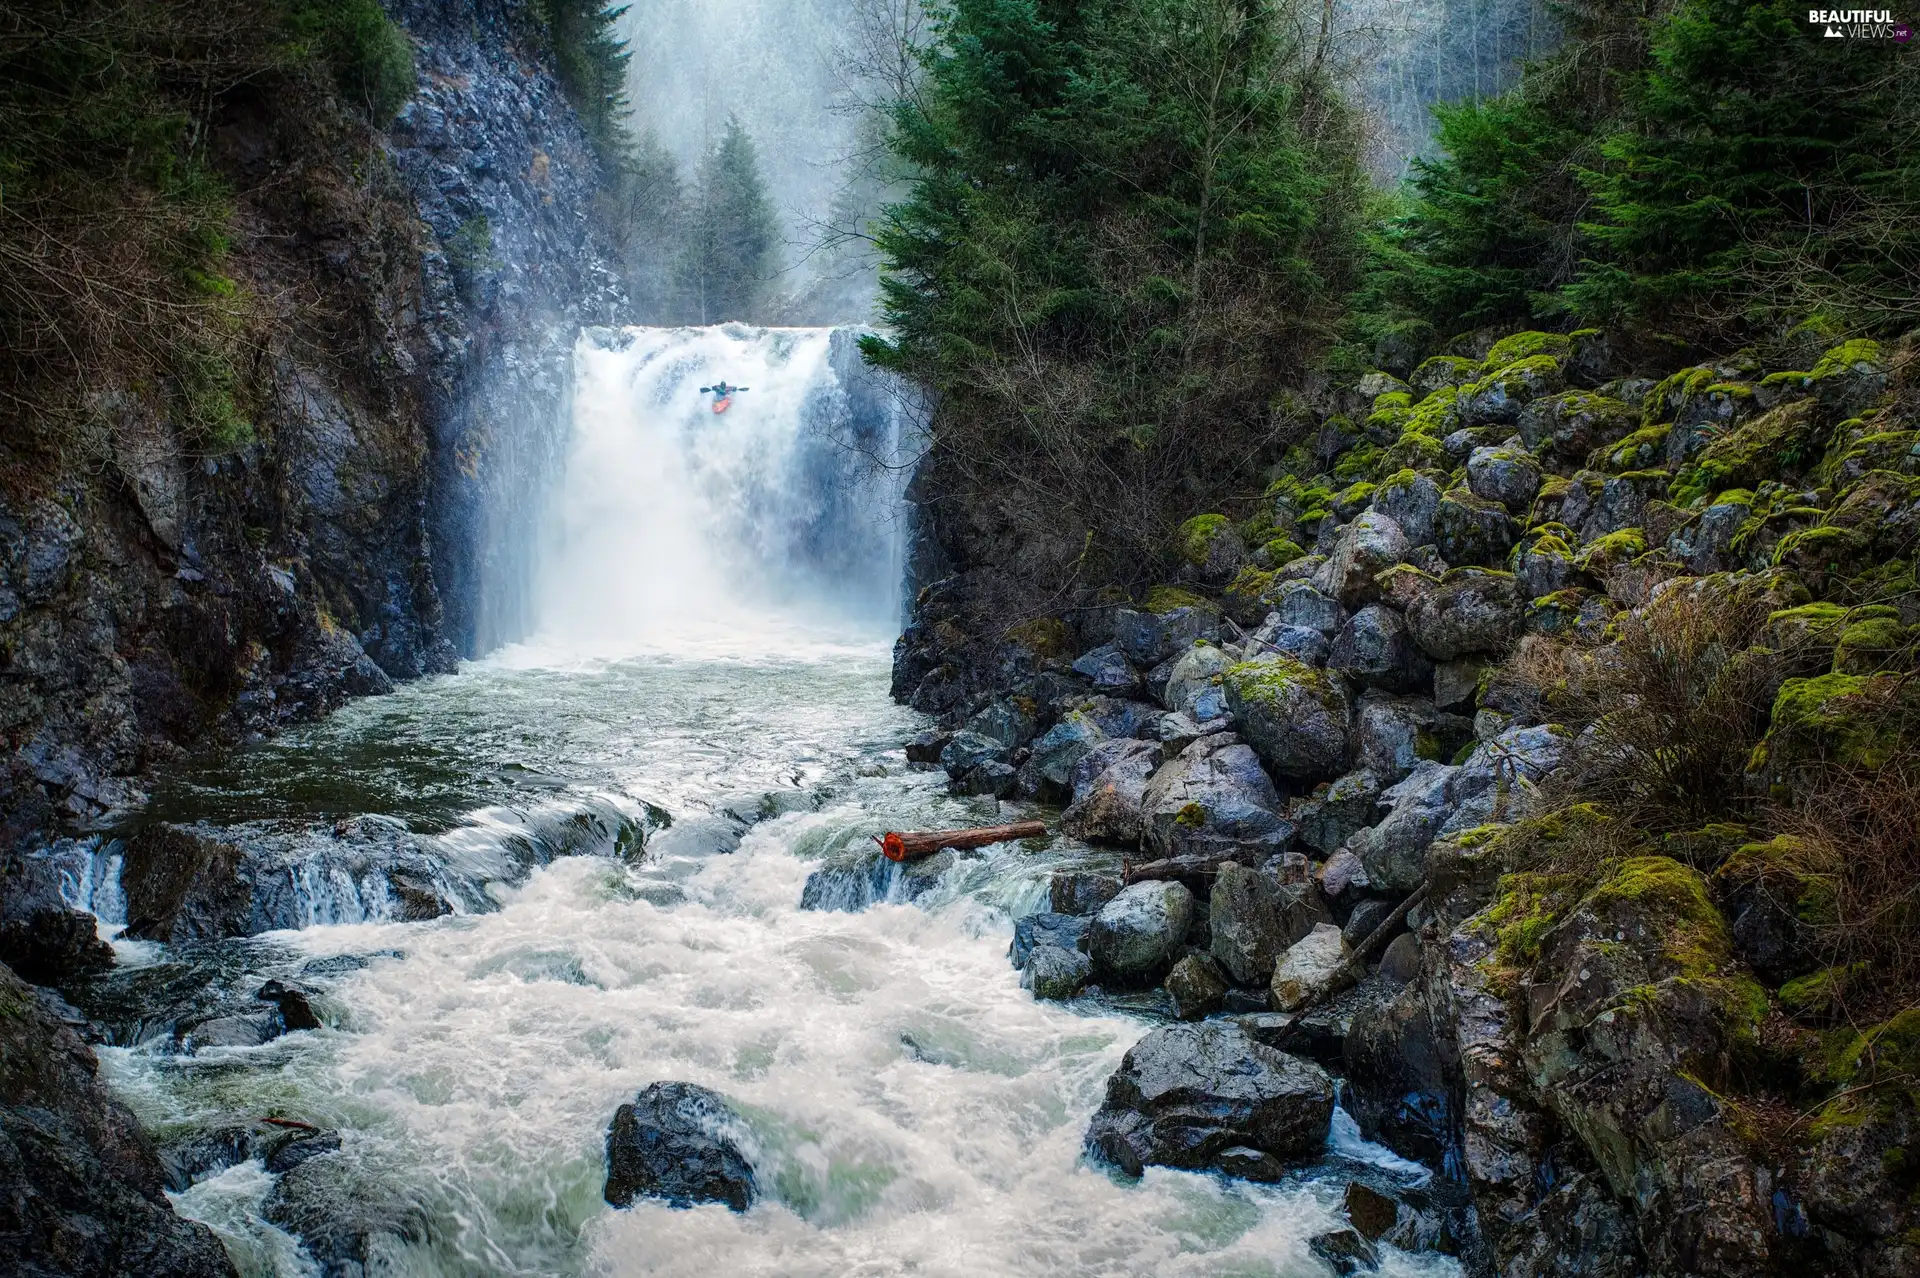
(1302, 643)
(1365, 548)
(1543, 567)
(1295, 717)
(1394, 733)
(1109, 789)
(1469, 529)
(1253, 919)
(925, 746)
(1005, 721)
(1048, 771)
(1505, 475)
(1499, 397)
(1055, 973)
(1148, 638)
(1411, 500)
(1137, 935)
(1212, 799)
(1376, 648)
(1081, 891)
(1196, 987)
(1331, 817)
(1342, 873)
(1308, 967)
(1395, 851)
(350, 1224)
(1705, 543)
(1475, 611)
(1108, 670)
(680, 1142)
(1300, 603)
(1186, 1095)
(1574, 423)
(1067, 931)
(1398, 1087)
(82, 1183)
(1211, 550)
(1400, 961)
(1345, 1251)
(42, 938)
(1193, 685)
(968, 750)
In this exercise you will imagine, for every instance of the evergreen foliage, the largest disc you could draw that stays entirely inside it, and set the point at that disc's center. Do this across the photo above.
(1127, 228)
(1715, 167)
(729, 234)
(591, 62)
(371, 58)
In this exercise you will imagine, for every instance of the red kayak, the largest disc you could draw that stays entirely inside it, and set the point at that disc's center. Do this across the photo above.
(720, 405)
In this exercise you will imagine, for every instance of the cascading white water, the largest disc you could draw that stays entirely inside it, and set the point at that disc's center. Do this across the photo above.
(680, 528)
(713, 640)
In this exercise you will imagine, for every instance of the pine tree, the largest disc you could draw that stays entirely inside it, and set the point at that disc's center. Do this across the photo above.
(1126, 230)
(729, 254)
(592, 65)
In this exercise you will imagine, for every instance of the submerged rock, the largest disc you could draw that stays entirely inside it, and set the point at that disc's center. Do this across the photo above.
(1056, 973)
(1186, 1095)
(1067, 931)
(680, 1142)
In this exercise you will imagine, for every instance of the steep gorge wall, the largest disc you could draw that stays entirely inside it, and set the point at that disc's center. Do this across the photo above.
(416, 294)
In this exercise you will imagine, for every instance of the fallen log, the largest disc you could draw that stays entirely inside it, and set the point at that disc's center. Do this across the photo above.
(1177, 867)
(911, 847)
(293, 1124)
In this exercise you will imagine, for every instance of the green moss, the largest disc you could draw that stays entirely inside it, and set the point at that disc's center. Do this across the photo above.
(1436, 416)
(1526, 908)
(1246, 595)
(1604, 554)
(1283, 551)
(1665, 400)
(1818, 993)
(1354, 497)
(1871, 644)
(1783, 441)
(1517, 375)
(1198, 535)
(1043, 636)
(1633, 452)
(1165, 599)
(1266, 681)
(1445, 370)
(1392, 400)
(1529, 345)
(1821, 717)
(1193, 816)
(1828, 549)
(1845, 357)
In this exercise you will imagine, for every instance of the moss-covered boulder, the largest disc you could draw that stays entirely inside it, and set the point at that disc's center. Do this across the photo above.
(1638, 1012)
(1774, 893)
(1543, 561)
(1410, 499)
(1474, 611)
(1469, 529)
(1498, 397)
(1442, 370)
(1643, 448)
(1365, 548)
(1298, 719)
(1211, 550)
(1785, 441)
(1875, 643)
(1832, 718)
(1506, 475)
(1850, 378)
(1571, 424)
(1526, 345)
(1704, 542)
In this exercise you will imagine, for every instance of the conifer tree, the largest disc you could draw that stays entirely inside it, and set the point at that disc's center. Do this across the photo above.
(730, 231)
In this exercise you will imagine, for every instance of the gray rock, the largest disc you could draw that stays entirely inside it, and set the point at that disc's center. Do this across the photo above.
(1474, 611)
(1345, 1252)
(1469, 529)
(1366, 916)
(968, 750)
(1137, 935)
(1057, 974)
(680, 1142)
(1572, 424)
(992, 777)
(1109, 791)
(1005, 722)
(1394, 851)
(1193, 685)
(1308, 967)
(1253, 919)
(1504, 475)
(1081, 891)
(1392, 732)
(1705, 544)
(1185, 1095)
(1056, 751)
(1213, 798)
(1299, 603)
(1412, 501)
(1067, 931)
(1343, 872)
(925, 746)
(1303, 643)
(1499, 398)
(1297, 719)
(1108, 669)
(1196, 987)
(1541, 570)
(1376, 648)
(1350, 804)
(1148, 638)
(1367, 547)
(1457, 682)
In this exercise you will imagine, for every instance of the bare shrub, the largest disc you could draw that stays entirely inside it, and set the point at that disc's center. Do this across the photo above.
(1668, 713)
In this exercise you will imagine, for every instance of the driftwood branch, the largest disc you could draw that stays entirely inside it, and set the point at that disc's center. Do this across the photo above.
(911, 847)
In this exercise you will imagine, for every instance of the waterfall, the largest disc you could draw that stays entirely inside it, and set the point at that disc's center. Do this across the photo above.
(679, 528)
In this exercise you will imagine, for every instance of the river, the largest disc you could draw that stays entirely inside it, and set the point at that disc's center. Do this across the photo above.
(912, 1110)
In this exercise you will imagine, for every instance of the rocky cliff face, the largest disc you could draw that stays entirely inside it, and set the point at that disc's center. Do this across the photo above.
(420, 288)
